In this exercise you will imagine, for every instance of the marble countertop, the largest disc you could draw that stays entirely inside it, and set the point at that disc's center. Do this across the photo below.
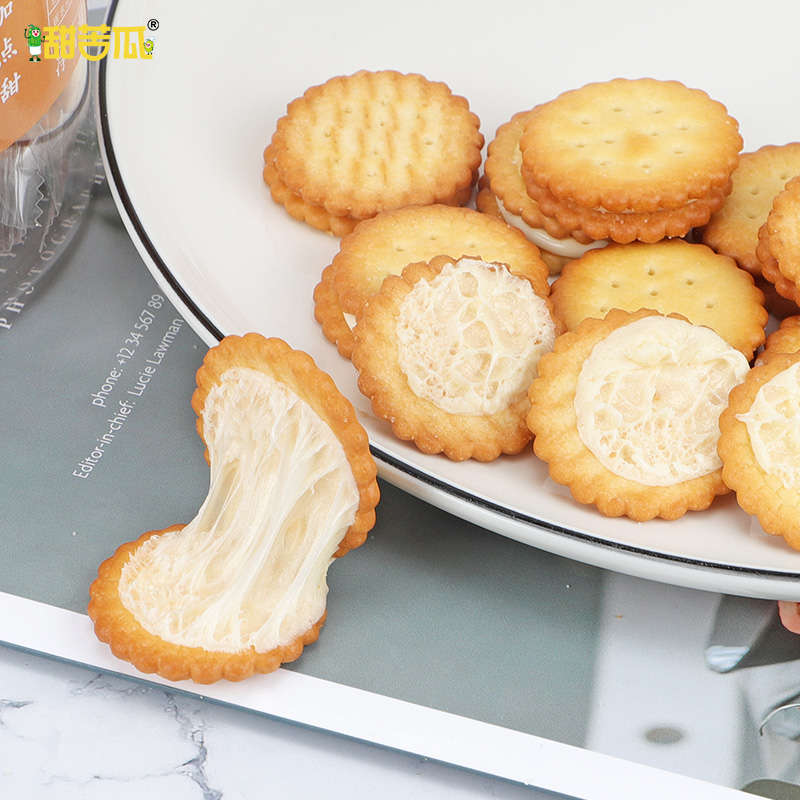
(69, 732)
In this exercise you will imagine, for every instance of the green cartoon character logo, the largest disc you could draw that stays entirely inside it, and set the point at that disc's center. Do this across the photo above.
(148, 47)
(33, 33)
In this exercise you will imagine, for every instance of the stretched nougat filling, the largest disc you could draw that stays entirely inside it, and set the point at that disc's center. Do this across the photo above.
(250, 569)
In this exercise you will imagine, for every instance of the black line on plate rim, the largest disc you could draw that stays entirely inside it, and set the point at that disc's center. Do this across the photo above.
(453, 491)
(119, 183)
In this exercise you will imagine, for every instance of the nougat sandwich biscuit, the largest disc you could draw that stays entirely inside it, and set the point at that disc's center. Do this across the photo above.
(648, 157)
(502, 192)
(446, 351)
(625, 413)
(242, 588)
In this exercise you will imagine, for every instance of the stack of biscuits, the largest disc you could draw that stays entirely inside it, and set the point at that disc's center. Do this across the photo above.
(370, 142)
(623, 160)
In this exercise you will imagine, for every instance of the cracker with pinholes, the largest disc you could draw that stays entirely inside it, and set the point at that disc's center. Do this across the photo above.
(242, 588)
(445, 352)
(672, 276)
(625, 413)
(778, 248)
(734, 229)
(631, 145)
(360, 144)
(759, 178)
(759, 445)
(390, 241)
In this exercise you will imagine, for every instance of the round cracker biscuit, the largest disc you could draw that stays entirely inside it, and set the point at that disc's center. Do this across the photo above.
(360, 144)
(672, 276)
(446, 351)
(758, 445)
(661, 382)
(759, 178)
(631, 145)
(315, 216)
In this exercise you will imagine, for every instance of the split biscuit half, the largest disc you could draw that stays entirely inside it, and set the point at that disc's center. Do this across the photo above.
(446, 351)
(242, 588)
(625, 413)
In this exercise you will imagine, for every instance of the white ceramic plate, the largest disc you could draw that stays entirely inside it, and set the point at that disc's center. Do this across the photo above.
(183, 138)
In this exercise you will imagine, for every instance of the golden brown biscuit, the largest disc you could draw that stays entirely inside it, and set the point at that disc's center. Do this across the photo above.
(446, 351)
(328, 312)
(364, 143)
(759, 178)
(242, 587)
(760, 447)
(671, 276)
(387, 243)
(631, 145)
(624, 411)
(778, 248)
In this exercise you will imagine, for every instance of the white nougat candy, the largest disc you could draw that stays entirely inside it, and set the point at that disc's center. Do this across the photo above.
(470, 339)
(567, 247)
(649, 397)
(250, 569)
